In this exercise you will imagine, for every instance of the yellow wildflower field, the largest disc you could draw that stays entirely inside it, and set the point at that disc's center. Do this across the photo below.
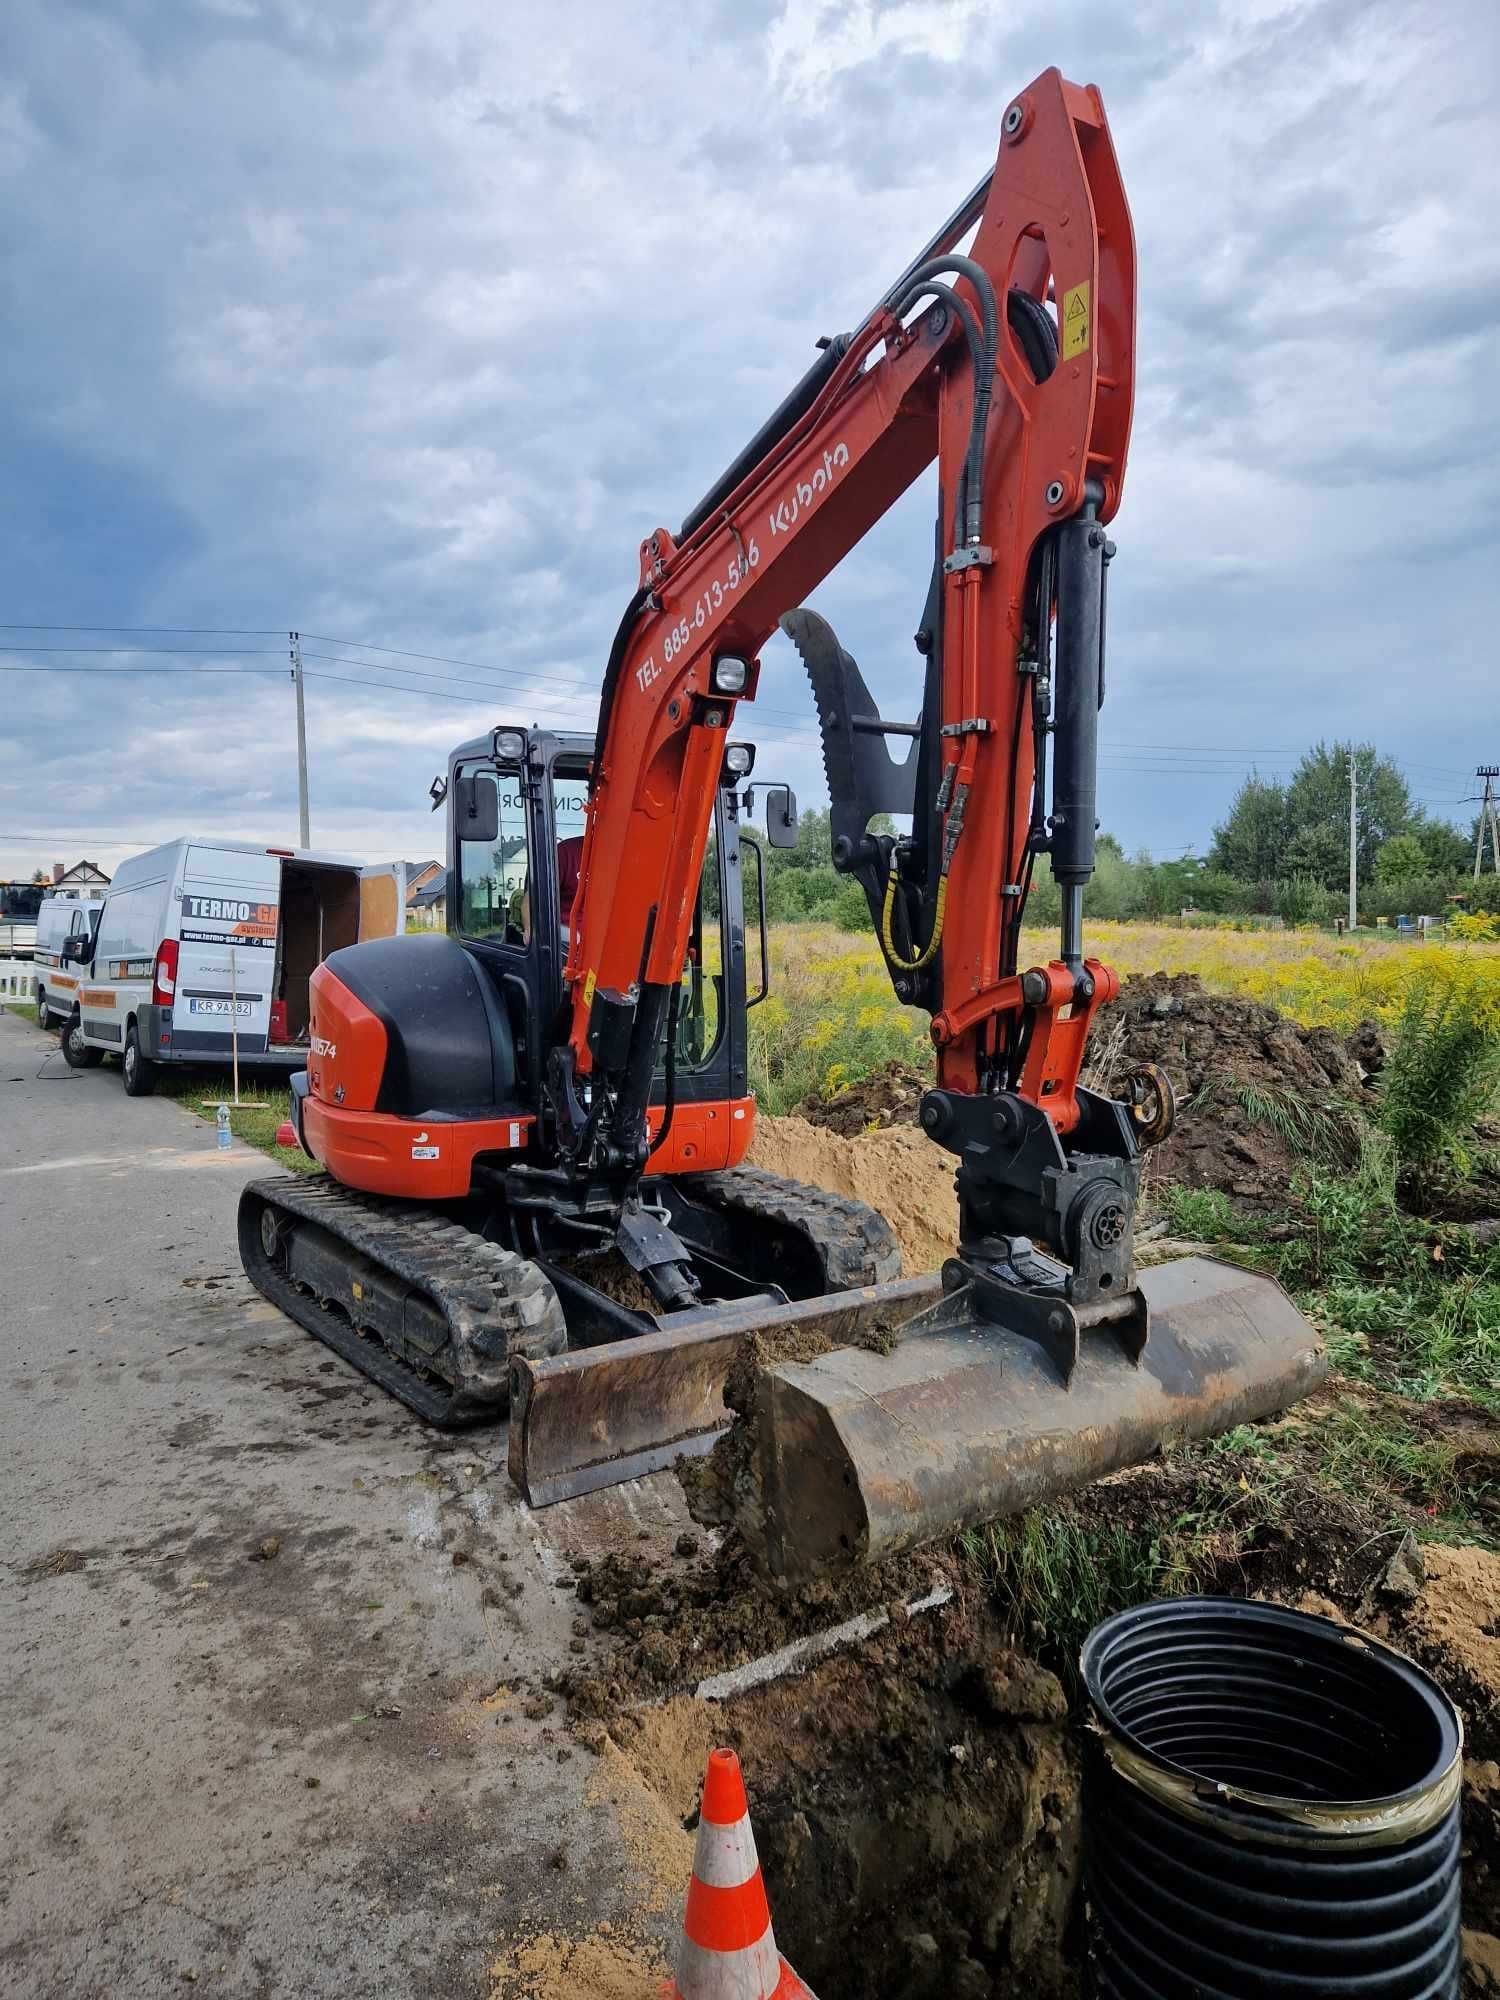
(831, 1015)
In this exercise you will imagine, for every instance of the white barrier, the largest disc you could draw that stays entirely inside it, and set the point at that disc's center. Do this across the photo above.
(17, 982)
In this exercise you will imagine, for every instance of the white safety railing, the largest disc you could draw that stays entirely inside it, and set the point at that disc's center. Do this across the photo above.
(17, 982)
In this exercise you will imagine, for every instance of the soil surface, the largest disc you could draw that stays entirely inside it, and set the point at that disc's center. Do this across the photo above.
(891, 1095)
(898, 1171)
(1240, 1070)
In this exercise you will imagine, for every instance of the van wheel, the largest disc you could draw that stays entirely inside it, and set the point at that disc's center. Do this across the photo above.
(41, 1007)
(76, 1052)
(139, 1072)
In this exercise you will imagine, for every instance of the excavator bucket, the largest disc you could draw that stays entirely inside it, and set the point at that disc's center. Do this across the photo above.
(950, 1421)
(864, 1455)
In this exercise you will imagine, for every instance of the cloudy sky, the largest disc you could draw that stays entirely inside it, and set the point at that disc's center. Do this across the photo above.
(403, 324)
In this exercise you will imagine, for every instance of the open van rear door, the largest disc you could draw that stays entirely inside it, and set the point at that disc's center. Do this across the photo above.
(226, 962)
(382, 900)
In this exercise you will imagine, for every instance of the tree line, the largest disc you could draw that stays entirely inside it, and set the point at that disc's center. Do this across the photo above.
(1282, 850)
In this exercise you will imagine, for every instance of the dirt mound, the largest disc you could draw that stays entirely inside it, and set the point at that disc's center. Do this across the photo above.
(551, 1966)
(888, 1096)
(898, 1171)
(1256, 1093)
(1454, 1627)
(678, 1622)
(723, 1486)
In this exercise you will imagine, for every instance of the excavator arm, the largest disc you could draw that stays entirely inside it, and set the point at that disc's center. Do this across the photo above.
(1028, 418)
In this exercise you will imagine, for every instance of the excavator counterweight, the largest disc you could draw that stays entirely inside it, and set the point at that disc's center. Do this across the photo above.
(537, 1128)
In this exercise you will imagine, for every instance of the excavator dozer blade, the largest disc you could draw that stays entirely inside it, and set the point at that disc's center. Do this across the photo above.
(865, 1455)
(616, 1411)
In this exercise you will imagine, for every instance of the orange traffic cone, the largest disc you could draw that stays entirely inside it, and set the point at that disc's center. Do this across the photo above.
(728, 1950)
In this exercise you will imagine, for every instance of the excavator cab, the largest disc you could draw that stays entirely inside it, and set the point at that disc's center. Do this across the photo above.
(518, 803)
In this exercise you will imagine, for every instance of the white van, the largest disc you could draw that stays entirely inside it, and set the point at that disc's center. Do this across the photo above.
(205, 948)
(61, 920)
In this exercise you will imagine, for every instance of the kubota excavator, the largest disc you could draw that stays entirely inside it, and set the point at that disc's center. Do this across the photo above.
(554, 1097)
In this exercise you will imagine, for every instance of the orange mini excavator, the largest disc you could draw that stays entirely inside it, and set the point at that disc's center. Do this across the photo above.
(533, 1128)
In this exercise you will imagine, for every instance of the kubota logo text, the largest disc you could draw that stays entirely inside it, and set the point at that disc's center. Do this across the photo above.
(806, 494)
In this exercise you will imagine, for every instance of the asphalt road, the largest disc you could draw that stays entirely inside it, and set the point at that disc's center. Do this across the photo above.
(225, 1773)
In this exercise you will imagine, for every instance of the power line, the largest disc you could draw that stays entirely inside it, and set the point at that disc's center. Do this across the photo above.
(179, 631)
(127, 673)
(179, 652)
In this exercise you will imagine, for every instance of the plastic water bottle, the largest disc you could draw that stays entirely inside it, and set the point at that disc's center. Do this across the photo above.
(221, 1119)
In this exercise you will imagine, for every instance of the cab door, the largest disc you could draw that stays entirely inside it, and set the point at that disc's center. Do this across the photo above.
(226, 964)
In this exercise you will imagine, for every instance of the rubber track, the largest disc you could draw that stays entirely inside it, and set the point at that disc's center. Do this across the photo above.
(495, 1303)
(854, 1243)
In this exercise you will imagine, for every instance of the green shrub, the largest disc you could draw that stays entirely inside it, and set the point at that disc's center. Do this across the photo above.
(1201, 1215)
(1302, 899)
(850, 908)
(1442, 1072)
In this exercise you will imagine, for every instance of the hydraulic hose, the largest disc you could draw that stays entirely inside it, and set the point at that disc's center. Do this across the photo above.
(970, 478)
(916, 285)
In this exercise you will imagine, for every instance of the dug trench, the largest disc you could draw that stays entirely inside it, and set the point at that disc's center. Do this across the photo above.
(916, 1791)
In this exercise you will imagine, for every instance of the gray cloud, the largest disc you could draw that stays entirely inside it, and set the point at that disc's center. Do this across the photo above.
(405, 325)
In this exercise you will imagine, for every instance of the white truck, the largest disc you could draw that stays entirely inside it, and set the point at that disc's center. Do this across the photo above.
(204, 949)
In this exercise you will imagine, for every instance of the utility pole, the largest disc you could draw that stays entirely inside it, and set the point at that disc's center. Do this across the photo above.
(305, 839)
(1353, 836)
(1489, 818)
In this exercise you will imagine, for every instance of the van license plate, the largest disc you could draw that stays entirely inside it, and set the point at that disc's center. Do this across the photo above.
(239, 1007)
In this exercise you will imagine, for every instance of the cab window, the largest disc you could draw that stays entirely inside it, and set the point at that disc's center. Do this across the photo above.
(700, 1006)
(570, 794)
(493, 875)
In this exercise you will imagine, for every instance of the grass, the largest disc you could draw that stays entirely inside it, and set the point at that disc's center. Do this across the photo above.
(261, 1109)
(1054, 1577)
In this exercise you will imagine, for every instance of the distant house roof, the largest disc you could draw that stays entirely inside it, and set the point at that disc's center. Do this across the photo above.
(83, 871)
(415, 871)
(430, 892)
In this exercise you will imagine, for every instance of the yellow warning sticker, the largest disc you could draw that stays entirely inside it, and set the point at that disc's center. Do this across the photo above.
(588, 991)
(1075, 321)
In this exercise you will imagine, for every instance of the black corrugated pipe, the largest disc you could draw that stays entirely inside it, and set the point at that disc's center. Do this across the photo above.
(1271, 1808)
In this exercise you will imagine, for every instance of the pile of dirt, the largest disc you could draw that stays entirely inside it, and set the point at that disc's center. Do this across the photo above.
(677, 1622)
(551, 1966)
(891, 1095)
(723, 1486)
(1246, 1077)
(897, 1171)
(1253, 1088)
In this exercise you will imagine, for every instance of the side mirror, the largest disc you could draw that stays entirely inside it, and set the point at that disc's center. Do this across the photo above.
(781, 816)
(76, 951)
(476, 806)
